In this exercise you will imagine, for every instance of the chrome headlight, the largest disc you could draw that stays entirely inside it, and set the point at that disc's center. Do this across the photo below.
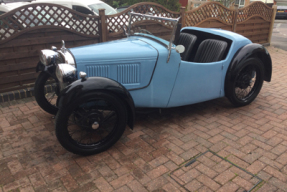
(46, 56)
(65, 73)
(68, 58)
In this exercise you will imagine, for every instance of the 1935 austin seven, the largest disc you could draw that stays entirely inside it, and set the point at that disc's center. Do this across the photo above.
(99, 86)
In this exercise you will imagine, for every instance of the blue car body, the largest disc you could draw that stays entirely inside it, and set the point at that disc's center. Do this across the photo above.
(140, 64)
(100, 86)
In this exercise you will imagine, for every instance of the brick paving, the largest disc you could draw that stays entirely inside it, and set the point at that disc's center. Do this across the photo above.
(253, 137)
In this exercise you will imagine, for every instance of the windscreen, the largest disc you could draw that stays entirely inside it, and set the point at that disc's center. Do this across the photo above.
(151, 25)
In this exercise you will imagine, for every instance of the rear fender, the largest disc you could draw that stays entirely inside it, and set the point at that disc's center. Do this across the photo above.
(249, 51)
(93, 84)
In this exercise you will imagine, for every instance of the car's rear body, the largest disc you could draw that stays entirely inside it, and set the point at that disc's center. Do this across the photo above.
(6, 7)
(281, 12)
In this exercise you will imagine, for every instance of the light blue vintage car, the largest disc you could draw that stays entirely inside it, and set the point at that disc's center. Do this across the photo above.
(100, 85)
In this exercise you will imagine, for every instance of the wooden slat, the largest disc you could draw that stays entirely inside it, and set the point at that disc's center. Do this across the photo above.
(43, 40)
(249, 27)
(258, 37)
(247, 34)
(212, 24)
(18, 78)
(19, 55)
(18, 66)
(15, 86)
(253, 20)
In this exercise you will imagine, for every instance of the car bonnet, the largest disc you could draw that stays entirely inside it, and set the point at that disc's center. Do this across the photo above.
(124, 49)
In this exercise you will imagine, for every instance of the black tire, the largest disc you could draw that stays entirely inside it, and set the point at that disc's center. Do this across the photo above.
(104, 111)
(47, 101)
(247, 83)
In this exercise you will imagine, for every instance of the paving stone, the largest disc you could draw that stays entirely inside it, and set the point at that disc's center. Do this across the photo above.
(170, 188)
(208, 182)
(255, 167)
(189, 175)
(278, 183)
(224, 177)
(230, 186)
(242, 183)
(157, 183)
(267, 187)
(156, 172)
(193, 185)
(103, 185)
(206, 170)
(134, 185)
(282, 159)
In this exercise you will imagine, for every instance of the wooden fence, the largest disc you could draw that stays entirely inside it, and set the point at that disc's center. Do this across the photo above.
(27, 30)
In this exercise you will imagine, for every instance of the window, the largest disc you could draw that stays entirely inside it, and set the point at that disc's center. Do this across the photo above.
(83, 10)
(240, 3)
(108, 9)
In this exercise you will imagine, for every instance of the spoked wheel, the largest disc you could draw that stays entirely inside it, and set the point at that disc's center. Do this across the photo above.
(91, 124)
(247, 83)
(47, 99)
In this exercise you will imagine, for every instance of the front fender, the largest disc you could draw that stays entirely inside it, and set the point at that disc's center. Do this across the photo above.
(92, 84)
(248, 51)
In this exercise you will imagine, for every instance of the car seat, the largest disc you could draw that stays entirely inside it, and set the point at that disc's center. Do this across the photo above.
(210, 50)
(187, 40)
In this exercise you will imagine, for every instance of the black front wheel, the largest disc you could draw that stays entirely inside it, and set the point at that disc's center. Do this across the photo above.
(247, 83)
(91, 124)
(45, 98)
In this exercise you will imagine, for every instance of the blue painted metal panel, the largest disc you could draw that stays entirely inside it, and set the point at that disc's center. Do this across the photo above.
(129, 61)
(129, 73)
(97, 70)
(123, 49)
(196, 82)
(158, 92)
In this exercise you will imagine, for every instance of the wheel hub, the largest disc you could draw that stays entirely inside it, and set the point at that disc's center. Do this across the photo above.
(93, 122)
(244, 81)
(95, 125)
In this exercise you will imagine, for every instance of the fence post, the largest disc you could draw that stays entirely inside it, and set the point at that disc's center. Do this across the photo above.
(274, 7)
(235, 18)
(189, 4)
(103, 27)
(182, 15)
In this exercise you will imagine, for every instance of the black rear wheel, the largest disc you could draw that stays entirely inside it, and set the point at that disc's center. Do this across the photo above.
(247, 83)
(46, 99)
(91, 124)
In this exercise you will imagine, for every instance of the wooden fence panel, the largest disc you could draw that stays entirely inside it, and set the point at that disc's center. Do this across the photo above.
(214, 23)
(23, 34)
(255, 28)
(115, 23)
(256, 8)
(254, 22)
(209, 11)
